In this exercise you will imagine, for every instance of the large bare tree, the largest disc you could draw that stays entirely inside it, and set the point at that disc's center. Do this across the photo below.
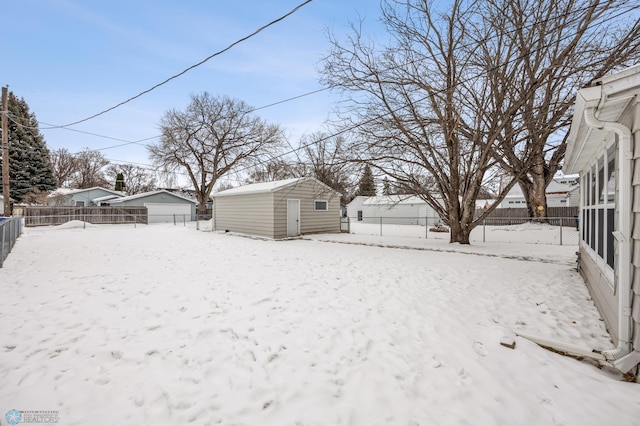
(63, 163)
(324, 157)
(210, 138)
(90, 168)
(554, 47)
(419, 106)
(456, 93)
(137, 179)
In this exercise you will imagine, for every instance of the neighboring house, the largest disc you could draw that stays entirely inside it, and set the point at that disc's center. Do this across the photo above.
(162, 205)
(95, 196)
(557, 196)
(279, 209)
(604, 130)
(393, 209)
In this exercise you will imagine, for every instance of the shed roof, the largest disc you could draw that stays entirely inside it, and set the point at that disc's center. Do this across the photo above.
(264, 187)
(150, 193)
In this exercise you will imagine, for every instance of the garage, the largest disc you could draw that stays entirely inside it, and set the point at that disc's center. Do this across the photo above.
(162, 206)
(167, 212)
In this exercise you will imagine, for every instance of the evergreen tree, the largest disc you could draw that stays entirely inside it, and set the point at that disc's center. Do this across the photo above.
(366, 186)
(119, 182)
(30, 169)
(386, 186)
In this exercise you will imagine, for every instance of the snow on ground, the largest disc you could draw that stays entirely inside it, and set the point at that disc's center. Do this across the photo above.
(168, 325)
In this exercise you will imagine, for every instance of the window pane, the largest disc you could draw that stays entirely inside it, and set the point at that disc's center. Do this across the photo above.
(585, 226)
(610, 239)
(592, 231)
(611, 174)
(601, 233)
(601, 186)
(592, 186)
(320, 205)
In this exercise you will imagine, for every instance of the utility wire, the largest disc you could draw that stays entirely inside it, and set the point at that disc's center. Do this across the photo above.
(229, 47)
(486, 39)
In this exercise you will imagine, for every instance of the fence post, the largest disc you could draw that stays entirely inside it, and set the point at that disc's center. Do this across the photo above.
(484, 230)
(2, 242)
(426, 227)
(561, 220)
(174, 219)
(381, 226)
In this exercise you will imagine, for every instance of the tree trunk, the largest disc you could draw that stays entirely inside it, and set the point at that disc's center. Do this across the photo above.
(535, 192)
(459, 233)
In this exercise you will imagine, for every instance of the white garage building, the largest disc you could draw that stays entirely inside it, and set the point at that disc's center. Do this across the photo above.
(162, 206)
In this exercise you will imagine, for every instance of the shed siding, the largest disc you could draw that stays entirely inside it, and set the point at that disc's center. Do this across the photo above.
(311, 221)
(246, 214)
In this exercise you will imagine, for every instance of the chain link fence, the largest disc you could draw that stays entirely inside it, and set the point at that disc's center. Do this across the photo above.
(553, 230)
(10, 230)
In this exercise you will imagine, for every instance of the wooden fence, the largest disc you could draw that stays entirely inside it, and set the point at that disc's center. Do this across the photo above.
(564, 216)
(43, 216)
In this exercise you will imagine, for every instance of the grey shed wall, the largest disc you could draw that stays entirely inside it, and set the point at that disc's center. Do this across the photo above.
(245, 213)
(265, 213)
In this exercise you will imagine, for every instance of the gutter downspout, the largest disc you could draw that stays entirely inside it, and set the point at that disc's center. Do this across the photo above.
(619, 356)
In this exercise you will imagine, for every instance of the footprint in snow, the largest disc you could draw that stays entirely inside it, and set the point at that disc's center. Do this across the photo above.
(479, 348)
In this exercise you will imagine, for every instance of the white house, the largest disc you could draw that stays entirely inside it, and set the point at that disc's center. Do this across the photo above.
(87, 197)
(558, 195)
(604, 148)
(392, 209)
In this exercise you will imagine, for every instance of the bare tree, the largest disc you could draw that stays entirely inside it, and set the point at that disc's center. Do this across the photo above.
(455, 94)
(425, 115)
(64, 165)
(137, 179)
(276, 169)
(90, 170)
(325, 158)
(210, 138)
(554, 47)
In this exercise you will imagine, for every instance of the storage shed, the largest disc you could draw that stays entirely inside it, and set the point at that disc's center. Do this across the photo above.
(279, 209)
(162, 205)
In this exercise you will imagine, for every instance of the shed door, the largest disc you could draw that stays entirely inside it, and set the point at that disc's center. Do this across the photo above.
(293, 218)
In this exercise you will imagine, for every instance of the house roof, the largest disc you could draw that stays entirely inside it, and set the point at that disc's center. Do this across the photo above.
(264, 187)
(69, 191)
(553, 188)
(393, 200)
(610, 96)
(150, 193)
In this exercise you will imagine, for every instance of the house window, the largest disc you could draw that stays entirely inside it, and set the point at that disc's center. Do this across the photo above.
(79, 203)
(598, 214)
(320, 205)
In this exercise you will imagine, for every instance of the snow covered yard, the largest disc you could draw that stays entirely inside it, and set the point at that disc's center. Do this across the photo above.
(168, 325)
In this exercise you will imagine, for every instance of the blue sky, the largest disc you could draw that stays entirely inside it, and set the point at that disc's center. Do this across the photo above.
(70, 59)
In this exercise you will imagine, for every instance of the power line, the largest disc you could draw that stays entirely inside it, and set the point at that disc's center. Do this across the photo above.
(229, 47)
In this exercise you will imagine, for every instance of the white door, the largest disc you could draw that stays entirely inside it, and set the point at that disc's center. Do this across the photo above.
(293, 218)
(159, 212)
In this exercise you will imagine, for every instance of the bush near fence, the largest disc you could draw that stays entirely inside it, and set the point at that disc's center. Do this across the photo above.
(45, 216)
